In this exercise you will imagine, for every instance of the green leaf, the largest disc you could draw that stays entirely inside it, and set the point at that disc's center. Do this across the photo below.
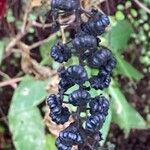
(123, 113)
(1, 51)
(124, 68)
(120, 35)
(10, 18)
(27, 129)
(50, 142)
(45, 51)
(29, 93)
(106, 127)
(25, 121)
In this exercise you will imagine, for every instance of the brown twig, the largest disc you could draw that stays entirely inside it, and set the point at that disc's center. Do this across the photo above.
(39, 43)
(4, 118)
(18, 37)
(39, 25)
(63, 34)
(10, 81)
(142, 6)
(4, 75)
(25, 18)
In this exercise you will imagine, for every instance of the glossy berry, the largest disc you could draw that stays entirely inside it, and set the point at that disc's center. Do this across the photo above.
(100, 58)
(79, 97)
(62, 72)
(71, 137)
(53, 101)
(109, 66)
(60, 52)
(96, 24)
(64, 85)
(83, 42)
(61, 146)
(66, 5)
(94, 122)
(99, 105)
(61, 117)
(77, 74)
(100, 82)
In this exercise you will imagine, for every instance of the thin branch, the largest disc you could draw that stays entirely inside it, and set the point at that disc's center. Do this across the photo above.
(10, 82)
(18, 37)
(63, 34)
(142, 6)
(25, 18)
(4, 75)
(23, 31)
(37, 44)
(37, 24)
(4, 118)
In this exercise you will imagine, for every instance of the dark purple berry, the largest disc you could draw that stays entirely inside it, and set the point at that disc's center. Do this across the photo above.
(64, 85)
(100, 58)
(71, 137)
(79, 97)
(77, 74)
(96, 24)
(110, 65)
(60, 52)
(53, 101)
(84, 42)
(94, 122)
(66, 5)
(99, 105)
(100, 82)
(62, 117)
(61, 146)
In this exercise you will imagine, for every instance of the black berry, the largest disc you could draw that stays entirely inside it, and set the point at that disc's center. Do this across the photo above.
(100, 82)
(66, 5)
(77, 74)
(60, 52)
(99, 105)
(100, 58)
(94, 122)
(79, 97)
(96, 24)
(84, 41)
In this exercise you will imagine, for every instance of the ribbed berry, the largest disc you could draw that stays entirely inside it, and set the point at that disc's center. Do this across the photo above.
(53, 101)
(62, 72)
(79, 97)
(100, 82)
(71, 137)
(60, 52)
(96, 24)
(99, 105)
(66, 5)
(61, 117)
(77, 74)
(64, 85)
(110, 65)
(83, 42)
(61, 146)
(94, 122)
(100, 58)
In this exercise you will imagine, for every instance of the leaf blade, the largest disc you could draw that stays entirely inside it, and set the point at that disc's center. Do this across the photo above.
(125, 115)
(29, 93)
(119, 35)
(124, 68)
(27, 130)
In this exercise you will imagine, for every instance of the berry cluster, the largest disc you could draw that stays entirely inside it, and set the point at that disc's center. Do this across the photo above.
(84, 131)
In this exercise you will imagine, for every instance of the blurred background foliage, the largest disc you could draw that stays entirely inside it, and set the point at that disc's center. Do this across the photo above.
(28, 74)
